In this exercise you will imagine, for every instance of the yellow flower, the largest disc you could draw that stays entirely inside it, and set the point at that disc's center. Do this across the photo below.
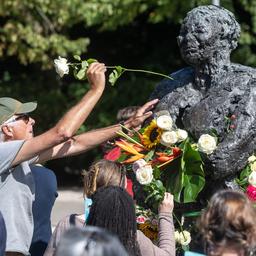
(152, 135)
(149, 231)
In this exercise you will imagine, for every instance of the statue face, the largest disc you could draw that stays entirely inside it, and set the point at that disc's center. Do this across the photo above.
(198, 39)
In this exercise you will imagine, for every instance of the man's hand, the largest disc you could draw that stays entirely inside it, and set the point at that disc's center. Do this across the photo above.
(96, 76)
(141, 115)
(167, 204)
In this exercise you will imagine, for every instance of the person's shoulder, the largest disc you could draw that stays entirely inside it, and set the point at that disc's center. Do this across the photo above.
(11, 143)
(141, 236)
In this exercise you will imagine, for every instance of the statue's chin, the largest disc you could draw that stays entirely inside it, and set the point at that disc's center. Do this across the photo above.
(192, 60)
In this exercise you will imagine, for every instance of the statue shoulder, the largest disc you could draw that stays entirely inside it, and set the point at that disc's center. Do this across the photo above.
(244, 72)
(181, 78)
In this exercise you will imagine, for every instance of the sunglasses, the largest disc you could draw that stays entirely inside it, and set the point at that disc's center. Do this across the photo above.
(23, 117)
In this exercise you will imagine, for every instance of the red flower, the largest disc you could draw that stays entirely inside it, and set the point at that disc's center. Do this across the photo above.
(176, 151)
(233, 117)
(129, 187)
(113, 154)
(251, 192)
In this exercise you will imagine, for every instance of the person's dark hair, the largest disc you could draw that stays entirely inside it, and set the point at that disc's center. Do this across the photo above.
(2, 235)
(229, 223)
(103, 173)
(113, 209)
(90, 241)
(127, 112)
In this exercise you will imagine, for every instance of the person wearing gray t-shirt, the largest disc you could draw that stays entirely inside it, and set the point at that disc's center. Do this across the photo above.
(19, 149)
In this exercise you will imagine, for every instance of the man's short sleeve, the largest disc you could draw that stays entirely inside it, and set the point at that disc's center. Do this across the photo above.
(8, 152)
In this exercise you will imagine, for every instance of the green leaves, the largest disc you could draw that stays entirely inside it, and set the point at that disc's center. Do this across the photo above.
(80, 74)
(115, 74)
(155, 191)
(242, 179)
(188, 179)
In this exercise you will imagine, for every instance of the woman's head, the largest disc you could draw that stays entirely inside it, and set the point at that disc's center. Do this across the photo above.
(103, 173)
(113, 209)
(229, 223)
(90, 241)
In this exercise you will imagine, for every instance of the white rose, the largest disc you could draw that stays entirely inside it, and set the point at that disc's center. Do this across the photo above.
(181, 134)
(253, 166)
(168, 138)
(251, 158)
(138, 164)
(177, 236)
(252, 179)
(61, 66)
(185, 237)
(144, 174)
(164, 122)
(207, 143)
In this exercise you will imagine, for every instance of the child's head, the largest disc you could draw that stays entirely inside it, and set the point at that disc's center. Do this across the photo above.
(103, 173)
(113, 209)
(91, 241)
(229, 223)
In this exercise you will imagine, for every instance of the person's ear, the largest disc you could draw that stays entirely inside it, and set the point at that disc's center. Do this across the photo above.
(7, 131)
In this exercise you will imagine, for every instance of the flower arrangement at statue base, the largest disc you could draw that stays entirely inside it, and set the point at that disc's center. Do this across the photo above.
(163, 158)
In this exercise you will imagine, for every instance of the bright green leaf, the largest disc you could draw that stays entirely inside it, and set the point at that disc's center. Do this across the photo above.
(77, 57)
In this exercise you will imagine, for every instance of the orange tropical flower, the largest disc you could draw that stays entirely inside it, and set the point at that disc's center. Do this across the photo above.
(133, 158)
(127, 146)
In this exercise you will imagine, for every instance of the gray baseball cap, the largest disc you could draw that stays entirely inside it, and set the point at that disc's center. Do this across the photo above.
(10, 107)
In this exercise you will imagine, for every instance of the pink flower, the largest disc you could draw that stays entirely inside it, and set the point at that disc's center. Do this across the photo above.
(141, 219)
(251, 192)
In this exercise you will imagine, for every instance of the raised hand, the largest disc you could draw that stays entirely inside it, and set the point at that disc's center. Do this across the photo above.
(167, 204)
(141, 115)
(96, 76)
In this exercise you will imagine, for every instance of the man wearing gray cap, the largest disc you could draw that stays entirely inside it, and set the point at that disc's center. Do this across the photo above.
(19, 149)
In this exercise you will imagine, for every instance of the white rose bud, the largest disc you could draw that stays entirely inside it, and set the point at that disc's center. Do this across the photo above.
(181, 134)
(185, 237)
(164, 122)
(253, 166)
(61, 66)
(207, 143)
(138, 164)
(252, 179)
(168, 138)
(251, 159)
(144, 175)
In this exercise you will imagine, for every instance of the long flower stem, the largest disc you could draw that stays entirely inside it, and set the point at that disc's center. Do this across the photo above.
(167, 162)
(181, 228)
(129, 138)
(142, 71)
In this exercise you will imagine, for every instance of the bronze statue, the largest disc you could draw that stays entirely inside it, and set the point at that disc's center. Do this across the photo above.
(213, 93)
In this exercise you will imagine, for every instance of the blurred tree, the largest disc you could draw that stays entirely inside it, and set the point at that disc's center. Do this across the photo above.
(131, 33)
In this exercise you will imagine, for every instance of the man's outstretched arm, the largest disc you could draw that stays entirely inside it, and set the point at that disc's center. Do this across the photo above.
(91, 139)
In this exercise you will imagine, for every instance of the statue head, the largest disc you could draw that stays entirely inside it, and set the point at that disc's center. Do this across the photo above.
(206, 32)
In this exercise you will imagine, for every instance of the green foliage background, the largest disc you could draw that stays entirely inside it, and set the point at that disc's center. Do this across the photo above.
(130, 33)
